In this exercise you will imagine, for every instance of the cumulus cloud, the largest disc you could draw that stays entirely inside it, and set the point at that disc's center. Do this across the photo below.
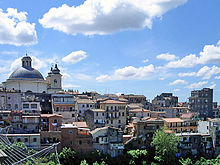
(205, 72)
(106, 16)
(15, 30)
(167, 57)
(178, 82)
(75, 57)
(197, 85)
(210, 54)
(36, 63)
(129, 73)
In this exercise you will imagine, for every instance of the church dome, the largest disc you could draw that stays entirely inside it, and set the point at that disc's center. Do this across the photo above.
(26, 73)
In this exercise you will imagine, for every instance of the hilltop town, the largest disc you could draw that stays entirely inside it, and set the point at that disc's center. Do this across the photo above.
(38, 112)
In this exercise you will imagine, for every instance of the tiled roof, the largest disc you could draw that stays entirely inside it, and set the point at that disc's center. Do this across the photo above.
(139, 110)
(50, 115)
(112, 102)
(81, 124)
(171, 120)
(187, 115)
(85, 101)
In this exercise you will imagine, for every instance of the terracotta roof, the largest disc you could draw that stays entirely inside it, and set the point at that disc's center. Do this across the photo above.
(112, 102)
(50, 115)
(85, 101)
(139, 110)
(187, 115)
(97, 110)
(81, 124)
(171, 120)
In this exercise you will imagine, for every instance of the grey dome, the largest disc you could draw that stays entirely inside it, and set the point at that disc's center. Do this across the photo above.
(26, 73)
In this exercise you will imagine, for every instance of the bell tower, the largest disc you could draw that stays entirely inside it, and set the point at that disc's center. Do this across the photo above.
(26, 61)
(54, 80)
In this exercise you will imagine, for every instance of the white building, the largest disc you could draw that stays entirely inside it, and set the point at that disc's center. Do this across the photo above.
(29, 79)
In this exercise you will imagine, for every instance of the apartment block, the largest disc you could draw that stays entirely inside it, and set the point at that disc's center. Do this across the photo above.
(201, 101)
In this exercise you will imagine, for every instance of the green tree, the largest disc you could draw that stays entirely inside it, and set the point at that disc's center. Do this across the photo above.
(137, 156)
(67, 156)
(83, 162)
(202, 161)
(165, 147)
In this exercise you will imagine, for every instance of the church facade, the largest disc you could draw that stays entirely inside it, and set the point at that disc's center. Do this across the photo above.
(28, 79)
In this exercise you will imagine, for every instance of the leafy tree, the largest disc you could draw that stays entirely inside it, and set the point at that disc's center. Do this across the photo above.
(202, 161)
(137, 156)
(83, 162)
(67, 156)
(165, 147)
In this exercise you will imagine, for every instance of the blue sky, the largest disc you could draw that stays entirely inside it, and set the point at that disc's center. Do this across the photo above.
(116, 46)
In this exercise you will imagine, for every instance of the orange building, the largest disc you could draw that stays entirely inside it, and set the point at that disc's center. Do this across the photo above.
(178, 125)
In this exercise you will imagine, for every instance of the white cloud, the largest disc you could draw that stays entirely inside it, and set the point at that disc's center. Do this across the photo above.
(129, 73)
(197, 85)
(14, 29)
(167, 57)
(212, 86)
(106, 16)
(178, 82)
(145, 61)
(186, 62)
(210, 54)
(205, 72)
(75, 57)
(36, 63)
(217, 77)
(70, 86)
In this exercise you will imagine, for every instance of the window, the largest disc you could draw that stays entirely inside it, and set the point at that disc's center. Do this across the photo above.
(80, 142)
(16, 106)
(97, 113)
(103, 114)
(111, 121)
(57, 108)
(25, 140)
(55, 121)
(35, 139)
(71, 142)
(9, 98)
(9, 106)
(70, 131)
(123, 113)
(83, 105)
(88, 142)
(119, 121)
(90, 105)
(71, 108)
(18, 140)
(34, 106)
(25, 106)
(87, 105)
(73, 115)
